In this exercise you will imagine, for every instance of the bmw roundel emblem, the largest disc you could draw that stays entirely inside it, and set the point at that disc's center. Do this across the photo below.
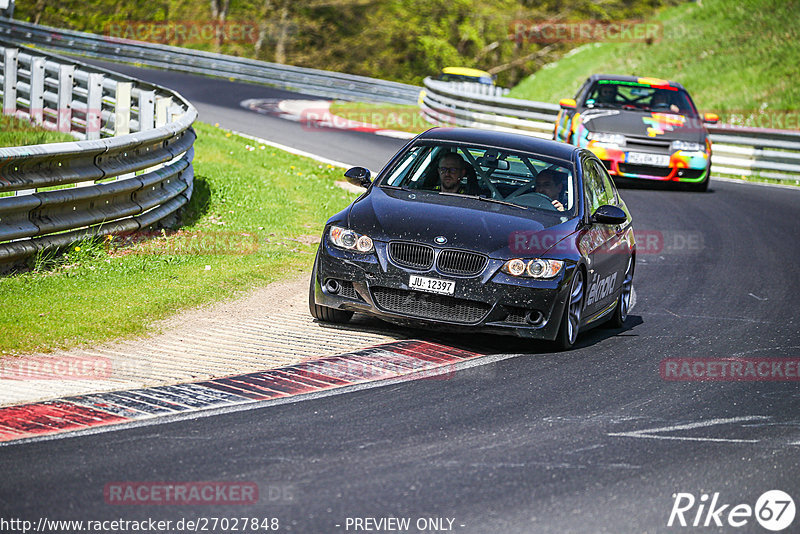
(440, 240)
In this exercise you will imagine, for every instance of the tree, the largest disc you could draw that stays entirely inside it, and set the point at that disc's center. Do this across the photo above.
(219, 13)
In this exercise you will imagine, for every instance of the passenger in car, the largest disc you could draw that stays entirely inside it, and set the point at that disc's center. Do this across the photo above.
(452, 169)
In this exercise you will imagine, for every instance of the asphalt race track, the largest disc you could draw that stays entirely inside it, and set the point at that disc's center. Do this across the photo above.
(591, 440)
(218, 101)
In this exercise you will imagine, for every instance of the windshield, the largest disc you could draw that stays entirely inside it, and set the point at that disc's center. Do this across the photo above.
(525, 181)
(637, 96)
(447, 77)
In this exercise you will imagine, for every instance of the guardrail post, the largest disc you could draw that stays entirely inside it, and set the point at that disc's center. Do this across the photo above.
(7, 8)
(147, 110)
(66, 76)
(122, 110)
(94, 106)
(37, 90)
(162, 110)
(10, 81)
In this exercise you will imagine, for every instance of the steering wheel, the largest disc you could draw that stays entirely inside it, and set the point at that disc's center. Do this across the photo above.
(535, 200)
(527, 190)
(524, 189)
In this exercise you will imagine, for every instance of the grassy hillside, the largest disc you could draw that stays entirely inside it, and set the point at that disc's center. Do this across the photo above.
(732, 56)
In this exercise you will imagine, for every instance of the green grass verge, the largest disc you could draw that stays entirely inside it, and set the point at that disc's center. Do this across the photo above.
(404, 118)
(733, 57)
(16, 132)
(253, 218)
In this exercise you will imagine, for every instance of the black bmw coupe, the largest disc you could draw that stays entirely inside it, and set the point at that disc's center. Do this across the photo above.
(481, 231)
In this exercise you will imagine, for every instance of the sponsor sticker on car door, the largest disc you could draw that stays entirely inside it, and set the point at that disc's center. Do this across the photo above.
(600, 289)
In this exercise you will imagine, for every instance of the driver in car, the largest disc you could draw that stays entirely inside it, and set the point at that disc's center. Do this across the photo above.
(549, 182)
(606, 94)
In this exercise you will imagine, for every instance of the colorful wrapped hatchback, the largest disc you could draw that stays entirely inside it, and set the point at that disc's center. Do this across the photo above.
(640, 128)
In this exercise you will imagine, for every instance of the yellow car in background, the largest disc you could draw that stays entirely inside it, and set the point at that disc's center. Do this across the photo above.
(465, 74)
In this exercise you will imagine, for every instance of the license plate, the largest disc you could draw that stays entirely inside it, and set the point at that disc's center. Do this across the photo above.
(642, 158)
(432, 285)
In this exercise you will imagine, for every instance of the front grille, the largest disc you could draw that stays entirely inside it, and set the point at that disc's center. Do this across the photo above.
(461, 262)
(411, 255)
(648, 145)
(650, 170)
(430, 306)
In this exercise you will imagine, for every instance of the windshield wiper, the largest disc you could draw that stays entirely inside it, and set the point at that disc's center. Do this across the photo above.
(485, 199)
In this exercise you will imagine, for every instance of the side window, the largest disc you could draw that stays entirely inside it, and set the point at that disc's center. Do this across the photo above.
(608, 184)
(411, 171)
(592, 186)
(400, 172)
(581, 91)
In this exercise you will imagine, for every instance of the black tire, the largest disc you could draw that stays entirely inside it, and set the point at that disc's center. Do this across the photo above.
(620, 314)
(571, 320)
(324, 313)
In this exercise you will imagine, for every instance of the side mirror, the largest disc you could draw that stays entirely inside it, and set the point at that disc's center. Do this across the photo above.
(568, 103)
(358, 176)
(710, 118)
(607, 214)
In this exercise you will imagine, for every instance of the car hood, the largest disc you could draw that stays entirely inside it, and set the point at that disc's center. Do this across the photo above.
(466, 223)
(658, 125)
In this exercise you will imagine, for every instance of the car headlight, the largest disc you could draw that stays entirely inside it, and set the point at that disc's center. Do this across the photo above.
(350, 240)
(607, 138)
(685, 145)
(535, 268)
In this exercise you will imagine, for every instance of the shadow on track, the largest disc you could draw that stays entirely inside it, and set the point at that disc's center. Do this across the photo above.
(657, 185)
(488, 344)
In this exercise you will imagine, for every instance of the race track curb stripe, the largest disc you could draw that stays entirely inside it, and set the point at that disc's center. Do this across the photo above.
(411, 359)
(316, 115)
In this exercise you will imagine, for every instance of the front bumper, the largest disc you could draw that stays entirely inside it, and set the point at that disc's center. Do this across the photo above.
(689, 167)
(491, 301)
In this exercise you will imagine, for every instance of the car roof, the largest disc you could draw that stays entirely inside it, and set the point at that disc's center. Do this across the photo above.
(494, 139)
(466, 71)
(654, 82)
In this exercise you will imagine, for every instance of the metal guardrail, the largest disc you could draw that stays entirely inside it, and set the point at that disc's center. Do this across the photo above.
(310, 81)
(475, 88)
(736, 151)
(455, 104)
(756, 152)
(109, 181)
